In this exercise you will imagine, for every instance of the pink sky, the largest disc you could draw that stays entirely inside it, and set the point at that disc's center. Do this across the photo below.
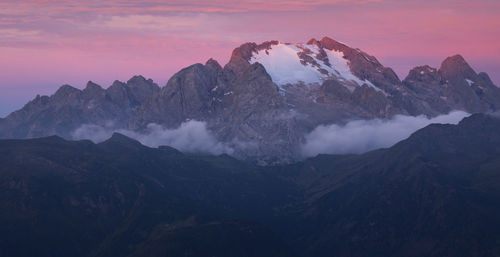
(47, 43)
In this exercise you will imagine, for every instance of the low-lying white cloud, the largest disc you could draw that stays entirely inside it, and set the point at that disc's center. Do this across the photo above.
(96, 133)
(364, 135)
(190, 137)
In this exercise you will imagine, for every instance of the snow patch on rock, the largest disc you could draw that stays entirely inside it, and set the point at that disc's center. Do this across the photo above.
(283, 63)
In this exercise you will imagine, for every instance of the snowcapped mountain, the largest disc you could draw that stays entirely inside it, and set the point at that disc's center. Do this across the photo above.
(265, 99)
(308, 63)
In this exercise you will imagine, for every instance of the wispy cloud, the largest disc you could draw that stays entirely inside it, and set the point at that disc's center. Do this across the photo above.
(151, 22)
(16, 33)
(114, 7)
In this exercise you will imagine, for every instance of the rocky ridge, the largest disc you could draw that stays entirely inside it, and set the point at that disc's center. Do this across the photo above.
(257, 103)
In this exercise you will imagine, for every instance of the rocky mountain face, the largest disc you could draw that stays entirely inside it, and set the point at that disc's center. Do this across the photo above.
(266, 98)
(455, 85)
(69, 108)
(239, 102)
(434, 194)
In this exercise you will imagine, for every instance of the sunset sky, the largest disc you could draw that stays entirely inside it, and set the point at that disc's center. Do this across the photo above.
(44, 44)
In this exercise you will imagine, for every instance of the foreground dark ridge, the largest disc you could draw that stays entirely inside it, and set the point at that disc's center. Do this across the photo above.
(249, 103)
(434, 194)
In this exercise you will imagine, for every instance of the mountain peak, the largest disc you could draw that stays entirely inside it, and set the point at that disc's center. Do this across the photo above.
(117, 83)
(213, 64)
(310, 63)
(66, 90)
(313, 41)
(247, 50)
(118, 137)
(244, 51)
(423, 73)
(139, 79)
(456, 67)
(93, 90)
(122, 140)
(142, 82)
(332, 44)
(455, 59)
(92, 86)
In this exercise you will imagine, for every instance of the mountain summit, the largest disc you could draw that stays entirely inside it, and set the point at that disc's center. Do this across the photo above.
(316, 62)
(265, 100)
